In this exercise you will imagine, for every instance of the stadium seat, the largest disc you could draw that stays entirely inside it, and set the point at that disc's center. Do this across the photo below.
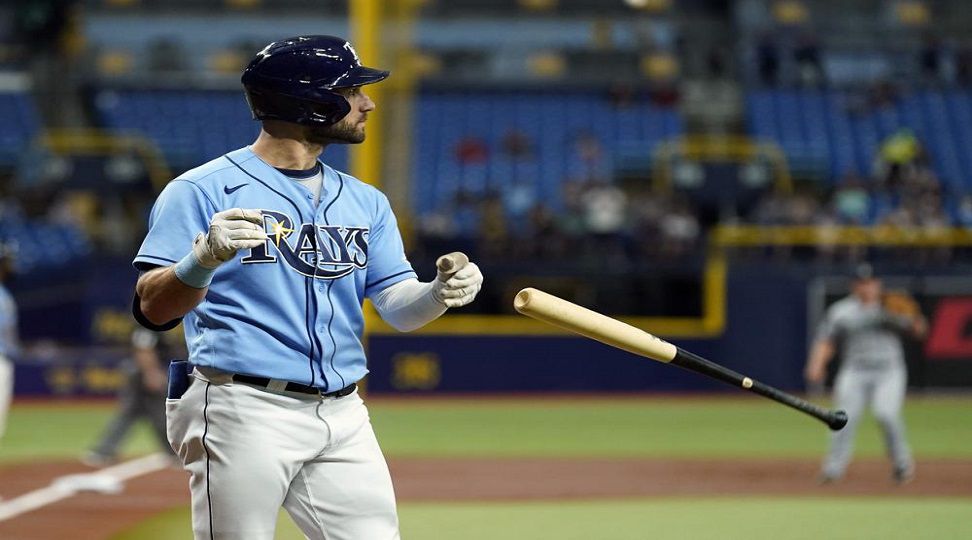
(21, 124)
(189, 126)
(844, 132)
(550, 121)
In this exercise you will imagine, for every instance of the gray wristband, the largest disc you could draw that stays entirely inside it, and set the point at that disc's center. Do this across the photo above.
(191, 272)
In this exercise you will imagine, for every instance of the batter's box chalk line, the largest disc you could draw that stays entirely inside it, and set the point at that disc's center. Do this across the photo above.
(108, 481)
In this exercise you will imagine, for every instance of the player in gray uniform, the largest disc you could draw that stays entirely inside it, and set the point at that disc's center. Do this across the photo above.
(142, 395)
(872, 371)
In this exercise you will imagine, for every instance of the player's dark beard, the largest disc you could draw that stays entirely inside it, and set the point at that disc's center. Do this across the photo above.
(340, 133)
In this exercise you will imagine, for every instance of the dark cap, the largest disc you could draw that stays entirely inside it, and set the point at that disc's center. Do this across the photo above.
(864, 271)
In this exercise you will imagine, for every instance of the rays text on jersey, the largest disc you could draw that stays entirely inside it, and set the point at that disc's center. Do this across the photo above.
(320, 251)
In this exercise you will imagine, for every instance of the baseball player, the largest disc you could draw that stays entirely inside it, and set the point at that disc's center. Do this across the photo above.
(872, 371)
(140, 397)
(9, 343)
(268, 253)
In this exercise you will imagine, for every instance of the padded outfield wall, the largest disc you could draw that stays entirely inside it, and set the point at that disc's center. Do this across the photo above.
(769, 315)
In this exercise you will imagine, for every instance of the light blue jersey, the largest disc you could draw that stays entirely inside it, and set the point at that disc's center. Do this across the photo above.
(290, 309)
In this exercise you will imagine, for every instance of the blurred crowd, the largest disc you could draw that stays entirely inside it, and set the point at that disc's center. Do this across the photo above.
(599, 220)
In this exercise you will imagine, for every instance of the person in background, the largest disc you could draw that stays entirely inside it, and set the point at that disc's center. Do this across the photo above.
(142, 396)
(868, 326)
(9, 343)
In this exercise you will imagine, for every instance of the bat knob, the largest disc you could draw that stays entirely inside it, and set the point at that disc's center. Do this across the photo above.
(838, 420)
(450, 264)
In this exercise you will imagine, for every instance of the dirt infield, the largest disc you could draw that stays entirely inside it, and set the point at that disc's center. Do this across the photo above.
(98, 517)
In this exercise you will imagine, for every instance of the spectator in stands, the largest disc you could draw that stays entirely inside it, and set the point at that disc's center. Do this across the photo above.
(807, 57)
(590, 154)
(768, 59)
(878, 96)
(716, 60)
(931, 214)
(680, 230)
(466, 213)
(930, 58)
(772, 208)
(902, 217)
(605, 208)
(543, 240)
(622, 94)
(516, 145)
(439, 224)
(492, 233)
(40, 23)
(963, 64)
(898, 154)
(471, 150)
(920, 180)
(519, 198)
(852, 201)
(963, 214)
(803, 209)
(647, 212)
(166, 55)
(571, 218)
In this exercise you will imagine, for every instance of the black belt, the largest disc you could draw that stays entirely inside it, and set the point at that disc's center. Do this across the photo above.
(264, 382)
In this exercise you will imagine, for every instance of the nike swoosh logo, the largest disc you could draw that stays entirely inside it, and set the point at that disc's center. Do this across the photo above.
(229, 190)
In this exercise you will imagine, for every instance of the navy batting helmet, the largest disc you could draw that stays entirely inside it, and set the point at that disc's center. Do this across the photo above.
(294, 80)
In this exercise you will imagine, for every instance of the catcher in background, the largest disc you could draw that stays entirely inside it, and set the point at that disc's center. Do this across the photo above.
(869, 326)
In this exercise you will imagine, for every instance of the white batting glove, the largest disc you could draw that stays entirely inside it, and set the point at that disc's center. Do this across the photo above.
(229, 232)
(459, 286)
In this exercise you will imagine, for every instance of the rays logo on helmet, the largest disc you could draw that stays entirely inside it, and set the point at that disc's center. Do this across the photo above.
(353, 52)
(319, 251)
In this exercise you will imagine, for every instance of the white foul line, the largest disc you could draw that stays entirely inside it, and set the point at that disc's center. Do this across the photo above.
(107, 480)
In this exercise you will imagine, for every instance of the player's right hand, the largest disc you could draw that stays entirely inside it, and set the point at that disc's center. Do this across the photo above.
(229, 231)
(815, 373)
(458, 286)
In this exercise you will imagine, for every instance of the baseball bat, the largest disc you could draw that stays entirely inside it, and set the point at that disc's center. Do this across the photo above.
(580, 320)
(449, 264)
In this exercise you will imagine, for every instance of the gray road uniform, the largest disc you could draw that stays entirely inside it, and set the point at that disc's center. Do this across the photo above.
(872, 371)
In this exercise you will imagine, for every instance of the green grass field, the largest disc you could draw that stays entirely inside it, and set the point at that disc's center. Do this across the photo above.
(585, 427)
(677, 427)
(638, 519)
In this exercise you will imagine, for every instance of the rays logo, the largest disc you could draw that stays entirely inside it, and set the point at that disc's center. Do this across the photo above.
(319, 251)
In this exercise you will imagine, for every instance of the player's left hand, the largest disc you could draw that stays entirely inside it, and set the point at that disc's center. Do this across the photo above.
(460, 288)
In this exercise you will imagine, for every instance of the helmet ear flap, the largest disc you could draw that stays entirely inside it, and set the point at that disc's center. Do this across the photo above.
(258, 106)
(327, 109)
(318, 113)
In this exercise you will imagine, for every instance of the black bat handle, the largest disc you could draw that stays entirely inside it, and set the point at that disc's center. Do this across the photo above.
(836, 420)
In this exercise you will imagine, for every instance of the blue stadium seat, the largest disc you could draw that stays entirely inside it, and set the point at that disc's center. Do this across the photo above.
(20, 125)
(550, 120)
(194, 125)
(189, 126)
(843, 132)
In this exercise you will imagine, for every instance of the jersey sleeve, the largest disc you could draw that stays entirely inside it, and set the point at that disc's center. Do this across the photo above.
(829, 326)
(387, 264)
(180, 213)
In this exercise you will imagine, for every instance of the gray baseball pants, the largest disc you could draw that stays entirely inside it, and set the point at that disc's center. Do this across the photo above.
(884, 390)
